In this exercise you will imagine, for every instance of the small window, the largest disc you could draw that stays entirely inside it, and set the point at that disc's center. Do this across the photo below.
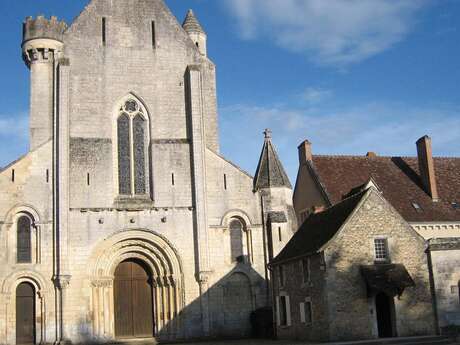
(455, 205)
(104, 30)
(306, 270)
(283, 312)
(306, 312)
(225, 181)
(417, 207)
(154, 40)
(381, 249)
(281, 277)
(280, 234)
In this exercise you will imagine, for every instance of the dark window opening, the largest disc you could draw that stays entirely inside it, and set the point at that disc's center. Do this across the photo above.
(87, 179)
(281, 275)
(24, 241)
(280, 235)
(225, 181)
(153, 35)
(104, 21)
(12, 175)
(47, 175)
(197, 44)
(306, 270)
(236, 240)
(283, 311)
(308, 312)
(172, 179)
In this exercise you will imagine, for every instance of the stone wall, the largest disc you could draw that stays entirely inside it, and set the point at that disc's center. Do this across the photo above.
(298, 291)
(354, 246)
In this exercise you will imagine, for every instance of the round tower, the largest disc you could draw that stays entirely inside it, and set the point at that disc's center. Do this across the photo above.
(196, 32)
(41, 45)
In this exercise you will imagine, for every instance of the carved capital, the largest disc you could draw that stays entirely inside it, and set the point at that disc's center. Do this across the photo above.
(62, 281)
(102, 283)
(203, 277)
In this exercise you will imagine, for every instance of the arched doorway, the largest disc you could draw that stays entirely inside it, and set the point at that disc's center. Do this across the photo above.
(25, 314)
(237, 305)
(384, 306)
(133, 297)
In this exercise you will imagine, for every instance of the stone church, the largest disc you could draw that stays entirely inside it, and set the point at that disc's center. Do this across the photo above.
(124, 221)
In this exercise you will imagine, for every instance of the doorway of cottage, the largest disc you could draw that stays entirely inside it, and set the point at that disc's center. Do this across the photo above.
(384, 306)
(133, 299)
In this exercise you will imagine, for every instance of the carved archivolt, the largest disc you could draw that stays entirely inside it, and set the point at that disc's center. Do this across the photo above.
(164, 262)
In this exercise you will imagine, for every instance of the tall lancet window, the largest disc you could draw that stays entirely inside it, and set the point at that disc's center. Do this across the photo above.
(24, 240)
(132, 139)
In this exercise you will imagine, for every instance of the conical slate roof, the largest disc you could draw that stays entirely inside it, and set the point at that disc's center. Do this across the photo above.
(191, 24)
(270, 171)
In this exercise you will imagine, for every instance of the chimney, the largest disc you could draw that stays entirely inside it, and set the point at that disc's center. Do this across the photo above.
(371, 155)
(426, 167)
(305, 152)
(317, 209)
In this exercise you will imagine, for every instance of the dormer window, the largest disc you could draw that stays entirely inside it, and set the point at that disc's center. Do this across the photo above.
(417, 207)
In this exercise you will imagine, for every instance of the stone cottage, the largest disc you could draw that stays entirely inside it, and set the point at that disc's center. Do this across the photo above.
(424, 189)
(124, 221)
(356, 270)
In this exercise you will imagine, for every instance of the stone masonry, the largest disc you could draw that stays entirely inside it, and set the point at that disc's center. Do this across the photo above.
(117, 57)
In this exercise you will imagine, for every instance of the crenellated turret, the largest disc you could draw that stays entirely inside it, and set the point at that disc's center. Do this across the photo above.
(41, 46)
(193, 27)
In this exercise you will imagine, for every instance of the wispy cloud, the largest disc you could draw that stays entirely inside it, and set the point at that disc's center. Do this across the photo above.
(332, 32)
(312, 95)
(388, 129)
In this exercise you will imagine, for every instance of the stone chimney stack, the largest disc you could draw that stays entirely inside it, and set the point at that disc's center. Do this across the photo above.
(305, 153)
(426, 166)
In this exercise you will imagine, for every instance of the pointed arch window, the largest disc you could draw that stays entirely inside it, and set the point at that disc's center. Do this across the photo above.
(132, 141)
(24, 239)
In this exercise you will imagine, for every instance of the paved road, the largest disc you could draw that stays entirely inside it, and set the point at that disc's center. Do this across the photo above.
(250, 342)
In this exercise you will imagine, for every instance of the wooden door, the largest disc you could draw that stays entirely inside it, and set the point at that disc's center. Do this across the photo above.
(133, 301)
(25, 314)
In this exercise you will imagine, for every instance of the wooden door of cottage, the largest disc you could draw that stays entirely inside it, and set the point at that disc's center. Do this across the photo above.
(133, 297)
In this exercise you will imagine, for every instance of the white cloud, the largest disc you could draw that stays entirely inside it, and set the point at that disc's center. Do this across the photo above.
(331, 32)
(313, 95)
(388, 129)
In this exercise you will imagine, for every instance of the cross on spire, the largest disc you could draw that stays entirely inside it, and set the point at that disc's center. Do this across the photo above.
(268, 133)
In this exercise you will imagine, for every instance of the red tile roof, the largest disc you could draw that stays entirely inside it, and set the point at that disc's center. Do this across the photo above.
(398, 179)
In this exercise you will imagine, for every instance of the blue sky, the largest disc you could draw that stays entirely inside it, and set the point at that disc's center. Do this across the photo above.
(349, 75)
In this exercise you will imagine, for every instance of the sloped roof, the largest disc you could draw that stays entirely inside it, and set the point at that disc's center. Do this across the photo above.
(399, 180)
(270, 171)
(318, 229)
(191, 23)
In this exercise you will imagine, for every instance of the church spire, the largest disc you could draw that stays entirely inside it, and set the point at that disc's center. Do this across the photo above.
(191, 24)
(270, 172)
(194, 29)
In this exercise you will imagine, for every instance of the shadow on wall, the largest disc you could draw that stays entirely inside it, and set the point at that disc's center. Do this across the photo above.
(231, 301)
(356, 310)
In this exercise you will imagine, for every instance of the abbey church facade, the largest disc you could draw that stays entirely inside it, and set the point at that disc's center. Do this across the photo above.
(124, 221)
